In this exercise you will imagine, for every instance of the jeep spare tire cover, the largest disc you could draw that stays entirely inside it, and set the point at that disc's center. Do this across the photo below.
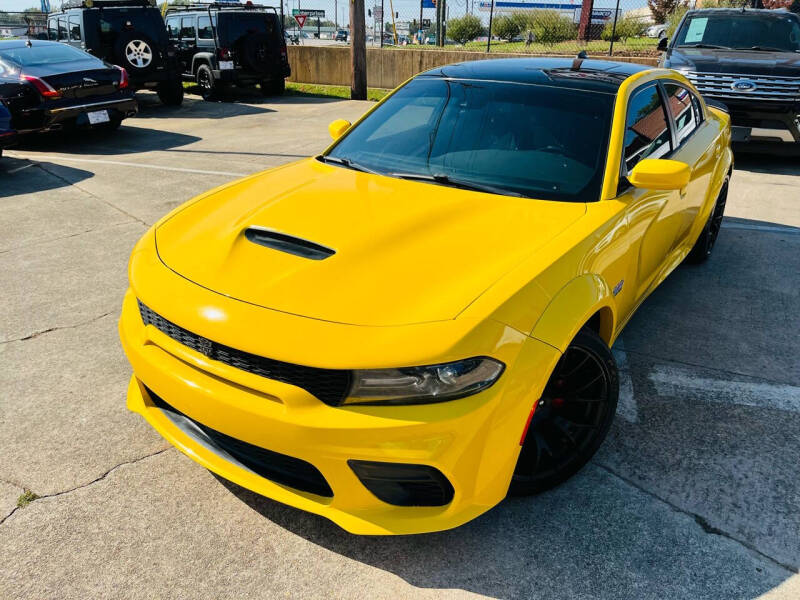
(255, 52)
(136, 52)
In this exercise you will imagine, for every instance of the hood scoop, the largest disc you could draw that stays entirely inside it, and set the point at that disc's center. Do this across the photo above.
(287, 243)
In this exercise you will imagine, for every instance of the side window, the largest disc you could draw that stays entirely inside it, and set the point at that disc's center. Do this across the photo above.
(187, 28)
(62, 29)
(173, 28)
(74, 28)
(683, 110)
(204, 31)
(646, 131)
(52, 29)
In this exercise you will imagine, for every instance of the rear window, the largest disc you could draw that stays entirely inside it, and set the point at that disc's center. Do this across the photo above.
(37, 55)
(234, 26)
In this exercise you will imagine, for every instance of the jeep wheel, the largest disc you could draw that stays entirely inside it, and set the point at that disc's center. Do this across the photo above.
(136, 52)
(170, 93)
(274, 87)
(209, 88)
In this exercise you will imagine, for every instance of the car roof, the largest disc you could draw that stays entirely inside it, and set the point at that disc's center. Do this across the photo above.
(23, 43)
(586, 74)
(743, 11)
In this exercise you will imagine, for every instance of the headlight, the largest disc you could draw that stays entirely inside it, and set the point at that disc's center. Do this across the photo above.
(424, 385)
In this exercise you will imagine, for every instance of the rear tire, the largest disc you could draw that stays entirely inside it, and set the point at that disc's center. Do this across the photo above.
(209, 88)
(705, 243)
(274, 87)
(572, 418)
(170, 93)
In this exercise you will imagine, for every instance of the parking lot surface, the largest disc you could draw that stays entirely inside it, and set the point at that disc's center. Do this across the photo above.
(695, 494)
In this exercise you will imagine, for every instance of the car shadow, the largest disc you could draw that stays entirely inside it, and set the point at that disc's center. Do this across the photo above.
(22, 176)
(694, 492)
(233, 103)
(127, 140)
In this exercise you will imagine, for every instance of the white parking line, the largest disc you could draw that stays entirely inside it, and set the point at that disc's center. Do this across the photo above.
(56, 158)
(674, 381)
(20, 168)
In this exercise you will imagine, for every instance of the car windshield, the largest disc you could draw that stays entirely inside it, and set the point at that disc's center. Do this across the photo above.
(38, 55)
(742, 31)
(518, 139)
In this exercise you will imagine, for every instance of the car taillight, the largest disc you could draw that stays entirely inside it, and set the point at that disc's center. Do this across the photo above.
(224, 54)
(123, 79)
(45, 89)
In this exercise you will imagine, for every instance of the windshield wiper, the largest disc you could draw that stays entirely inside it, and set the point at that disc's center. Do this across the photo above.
(346, 162)
(457, 183)
(765, 49)
(709, 46)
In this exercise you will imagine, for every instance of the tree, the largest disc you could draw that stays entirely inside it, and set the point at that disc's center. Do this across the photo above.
(506, 27)
(464, 29)
(661, 9)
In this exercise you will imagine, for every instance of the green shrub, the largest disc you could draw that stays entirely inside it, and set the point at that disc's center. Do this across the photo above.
(627, 27)
(464, 29)
(506, 27)
(551, 27)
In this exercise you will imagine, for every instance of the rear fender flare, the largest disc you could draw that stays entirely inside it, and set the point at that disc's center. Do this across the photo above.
(202, 58)
(572, 307)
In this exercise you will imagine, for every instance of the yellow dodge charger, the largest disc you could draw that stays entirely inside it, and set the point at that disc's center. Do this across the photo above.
(399, 332)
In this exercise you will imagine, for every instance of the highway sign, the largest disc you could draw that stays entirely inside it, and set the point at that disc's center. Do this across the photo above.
(314, 13)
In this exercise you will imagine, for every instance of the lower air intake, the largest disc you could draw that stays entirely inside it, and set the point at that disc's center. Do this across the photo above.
(402, 484)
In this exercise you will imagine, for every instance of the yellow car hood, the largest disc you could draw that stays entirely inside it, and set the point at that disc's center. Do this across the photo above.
(405, 252)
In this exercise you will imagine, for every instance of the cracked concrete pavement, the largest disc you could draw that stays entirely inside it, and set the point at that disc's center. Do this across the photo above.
(696, 493)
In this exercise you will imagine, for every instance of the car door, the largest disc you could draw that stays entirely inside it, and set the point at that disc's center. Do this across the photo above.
(650, 214)
(696, 145)
(188, 43)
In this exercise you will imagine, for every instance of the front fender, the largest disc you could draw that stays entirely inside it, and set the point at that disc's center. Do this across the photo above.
(572, 307)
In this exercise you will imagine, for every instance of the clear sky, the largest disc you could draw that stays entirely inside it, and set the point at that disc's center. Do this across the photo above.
(18, 4)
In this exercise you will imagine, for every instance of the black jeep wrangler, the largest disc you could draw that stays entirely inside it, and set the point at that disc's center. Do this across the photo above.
(126, 33)
(221, 44)
(749, 59)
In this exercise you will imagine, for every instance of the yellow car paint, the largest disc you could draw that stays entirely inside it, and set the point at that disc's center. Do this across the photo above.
(516, 298)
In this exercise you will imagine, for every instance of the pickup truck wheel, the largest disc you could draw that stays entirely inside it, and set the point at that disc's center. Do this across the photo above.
(274, 87)
(705, 243)
(571, 419)
(209, 89)
(170, 93)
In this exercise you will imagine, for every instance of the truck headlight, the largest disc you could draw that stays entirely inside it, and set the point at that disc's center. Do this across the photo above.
(424, 385)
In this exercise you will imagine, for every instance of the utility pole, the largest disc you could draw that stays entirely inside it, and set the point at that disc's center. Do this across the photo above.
(419, 25)
(358, 51)
(335, 16)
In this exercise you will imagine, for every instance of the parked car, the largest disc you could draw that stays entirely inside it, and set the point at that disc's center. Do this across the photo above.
(398, 373)
(659, 30)
(127, 33)
(8, 135)
(48, 85)
(749, 60)
(222, 45)
(341, 35)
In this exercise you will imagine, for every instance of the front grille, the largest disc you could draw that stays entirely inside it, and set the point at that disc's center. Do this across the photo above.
(280, 468)
(329, 385)
(720, 85)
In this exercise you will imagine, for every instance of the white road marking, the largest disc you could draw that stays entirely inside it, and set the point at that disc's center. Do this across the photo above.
(20, 168)
(120, 163)
(626, 405)
(678, 381)
(768, 228)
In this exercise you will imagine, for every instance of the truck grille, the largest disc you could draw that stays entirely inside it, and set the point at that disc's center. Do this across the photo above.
(721, 85)
(329, 385)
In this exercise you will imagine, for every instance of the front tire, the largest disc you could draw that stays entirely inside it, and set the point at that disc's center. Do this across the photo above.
(571, 419)
(705, 243)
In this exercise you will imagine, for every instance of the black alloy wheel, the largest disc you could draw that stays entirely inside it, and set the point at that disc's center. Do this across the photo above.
(708, 237)
(206, 83)
(571, 419)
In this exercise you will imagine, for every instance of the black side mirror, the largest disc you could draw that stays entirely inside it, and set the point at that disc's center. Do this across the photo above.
(662, 44)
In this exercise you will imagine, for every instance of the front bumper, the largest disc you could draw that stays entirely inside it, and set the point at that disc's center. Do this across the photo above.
(754, 122)
(473, 442)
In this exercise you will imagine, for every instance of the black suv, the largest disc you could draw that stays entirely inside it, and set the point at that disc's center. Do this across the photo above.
(127, 33)
(223, 44)
(749, 59)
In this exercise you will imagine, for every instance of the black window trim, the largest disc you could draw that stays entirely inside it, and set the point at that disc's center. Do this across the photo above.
(673, 125)
(623, 184)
